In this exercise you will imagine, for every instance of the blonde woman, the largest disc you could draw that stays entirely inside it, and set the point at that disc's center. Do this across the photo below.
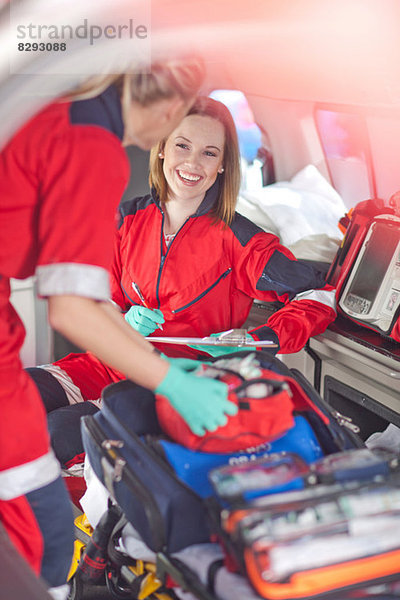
(61, 178)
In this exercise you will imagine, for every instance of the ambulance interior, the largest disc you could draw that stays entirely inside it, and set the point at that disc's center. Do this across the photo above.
(316, 88)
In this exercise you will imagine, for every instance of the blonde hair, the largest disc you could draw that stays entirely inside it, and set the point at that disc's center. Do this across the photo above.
(175, 77)
(92, 87)
(224, 208)
(178, 76)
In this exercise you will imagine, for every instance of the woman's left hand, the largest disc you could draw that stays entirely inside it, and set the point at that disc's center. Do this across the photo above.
(221, 350)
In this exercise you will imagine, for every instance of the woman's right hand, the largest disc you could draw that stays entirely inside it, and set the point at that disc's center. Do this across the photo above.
(202, 402)
(144, 320)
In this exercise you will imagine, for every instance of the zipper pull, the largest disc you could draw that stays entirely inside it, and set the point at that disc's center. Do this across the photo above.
(345, 422)
(110, 444)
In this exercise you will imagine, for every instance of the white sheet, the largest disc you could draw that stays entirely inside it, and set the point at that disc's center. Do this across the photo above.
(389, 439)
(307, 209)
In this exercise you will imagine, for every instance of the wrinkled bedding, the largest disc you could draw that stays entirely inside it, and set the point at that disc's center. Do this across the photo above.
(303, 212)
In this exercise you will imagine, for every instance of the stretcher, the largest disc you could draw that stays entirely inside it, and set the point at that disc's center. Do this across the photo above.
(152, 576)
(124, 577)
(132, 571)
(196, 572)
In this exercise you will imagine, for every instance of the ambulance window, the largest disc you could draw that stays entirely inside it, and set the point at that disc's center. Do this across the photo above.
(345, 143)
(250, 138)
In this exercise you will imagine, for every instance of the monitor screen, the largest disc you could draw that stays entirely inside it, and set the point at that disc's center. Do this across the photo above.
(375, 262)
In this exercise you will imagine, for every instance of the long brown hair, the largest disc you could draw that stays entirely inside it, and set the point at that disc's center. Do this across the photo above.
(224, 208)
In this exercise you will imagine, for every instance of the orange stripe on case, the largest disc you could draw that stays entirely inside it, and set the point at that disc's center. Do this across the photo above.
(325, 579)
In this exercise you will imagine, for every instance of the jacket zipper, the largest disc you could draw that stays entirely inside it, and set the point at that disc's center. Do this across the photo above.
(162, 261)
(267, 278)
(164, 256)
(127, 295)
(225, 274)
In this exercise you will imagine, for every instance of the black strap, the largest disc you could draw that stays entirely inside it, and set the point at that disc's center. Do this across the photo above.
(213, 569)
(117, 557)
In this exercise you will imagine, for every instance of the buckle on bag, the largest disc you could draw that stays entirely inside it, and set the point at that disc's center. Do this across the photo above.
(112, 472)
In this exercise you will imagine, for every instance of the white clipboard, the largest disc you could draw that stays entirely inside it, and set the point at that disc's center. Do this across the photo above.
(231, 337)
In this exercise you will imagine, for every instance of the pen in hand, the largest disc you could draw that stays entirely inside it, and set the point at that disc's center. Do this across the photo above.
(145, 304)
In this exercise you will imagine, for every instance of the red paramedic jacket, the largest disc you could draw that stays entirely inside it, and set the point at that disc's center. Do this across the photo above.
(62, 176)
(206, 280)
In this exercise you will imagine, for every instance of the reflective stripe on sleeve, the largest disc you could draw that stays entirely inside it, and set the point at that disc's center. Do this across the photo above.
(30, 476)
(327, 297)
(73, 393)
(76, 279)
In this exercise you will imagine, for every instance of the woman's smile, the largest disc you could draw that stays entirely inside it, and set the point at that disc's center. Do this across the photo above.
(188, 178)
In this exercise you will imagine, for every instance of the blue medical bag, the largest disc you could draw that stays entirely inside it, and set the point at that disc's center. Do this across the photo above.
(161, 486)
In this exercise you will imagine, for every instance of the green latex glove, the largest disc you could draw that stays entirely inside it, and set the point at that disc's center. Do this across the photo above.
(220, 350)
(144, 320)
(186, 364)
(202, 402)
